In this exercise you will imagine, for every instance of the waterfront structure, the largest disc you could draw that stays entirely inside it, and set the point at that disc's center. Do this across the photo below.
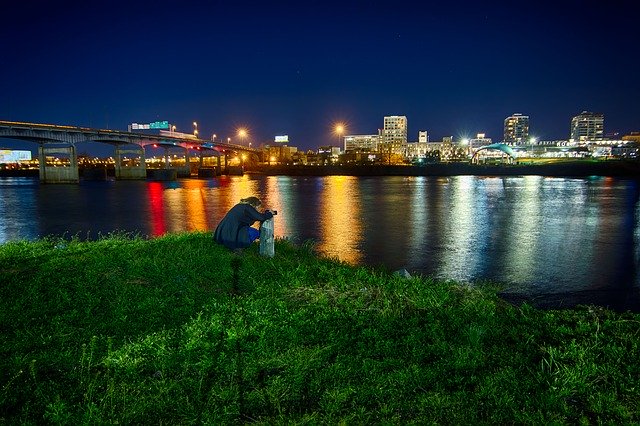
(279, 154)
(479, 141)
(516, 129)
(328, 154)
(394, 135)
(361, 143)
(633, 136)
(420, 149)
(587, 126)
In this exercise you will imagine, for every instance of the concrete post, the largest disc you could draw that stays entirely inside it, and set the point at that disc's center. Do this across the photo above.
(52, 174)
(267, 247)
(132, 171)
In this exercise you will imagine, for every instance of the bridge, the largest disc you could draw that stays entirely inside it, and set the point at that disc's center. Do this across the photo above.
(62, 139)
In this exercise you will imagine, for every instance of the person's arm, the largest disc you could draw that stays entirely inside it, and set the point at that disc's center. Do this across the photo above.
(257, 216)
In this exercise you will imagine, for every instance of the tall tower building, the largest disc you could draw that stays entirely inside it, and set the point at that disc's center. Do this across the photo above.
(394, 134)
(516, 129)
(587, 126)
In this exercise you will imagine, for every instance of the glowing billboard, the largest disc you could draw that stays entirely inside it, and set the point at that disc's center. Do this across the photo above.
(282, 139)
(13, 156)
(150, 126)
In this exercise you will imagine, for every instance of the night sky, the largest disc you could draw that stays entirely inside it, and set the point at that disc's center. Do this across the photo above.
(453, 68)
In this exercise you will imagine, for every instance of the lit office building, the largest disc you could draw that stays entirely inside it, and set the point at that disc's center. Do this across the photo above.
(479, 141)
(587, 126)
(361, 142)
(516, 129)
(394, 135)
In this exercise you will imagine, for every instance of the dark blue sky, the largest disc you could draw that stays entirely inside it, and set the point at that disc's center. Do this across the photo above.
(453, 68)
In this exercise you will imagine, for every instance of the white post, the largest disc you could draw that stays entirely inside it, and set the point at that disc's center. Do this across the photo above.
(266, 238)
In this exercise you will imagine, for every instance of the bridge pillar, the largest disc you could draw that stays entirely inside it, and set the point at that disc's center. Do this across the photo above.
(166, 157)
(58, 174)
(185, 171)
(132, 170)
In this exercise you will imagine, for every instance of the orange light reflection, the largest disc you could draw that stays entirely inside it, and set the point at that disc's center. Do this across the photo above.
(340, 218)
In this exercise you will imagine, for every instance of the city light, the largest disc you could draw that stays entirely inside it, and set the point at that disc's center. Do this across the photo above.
(243, 134)
(339, 129)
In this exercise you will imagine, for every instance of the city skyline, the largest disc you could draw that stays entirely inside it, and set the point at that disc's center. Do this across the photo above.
(452, 70)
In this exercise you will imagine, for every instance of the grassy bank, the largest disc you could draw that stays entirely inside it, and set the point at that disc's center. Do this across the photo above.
(177, 330)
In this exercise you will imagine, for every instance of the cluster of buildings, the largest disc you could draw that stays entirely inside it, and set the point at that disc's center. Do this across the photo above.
(391, 145)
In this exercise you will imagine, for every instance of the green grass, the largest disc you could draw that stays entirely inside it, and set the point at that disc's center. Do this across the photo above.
(178, 330)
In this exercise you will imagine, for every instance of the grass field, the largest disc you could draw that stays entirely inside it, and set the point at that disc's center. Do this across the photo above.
(178, 330)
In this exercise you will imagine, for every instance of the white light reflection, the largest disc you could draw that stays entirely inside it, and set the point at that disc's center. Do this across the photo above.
(525, 228)
(278, 194)
(340, 218)
(462, 252)
(419, 219)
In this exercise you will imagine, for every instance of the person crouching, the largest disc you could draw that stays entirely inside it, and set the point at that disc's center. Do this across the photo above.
(234, 230)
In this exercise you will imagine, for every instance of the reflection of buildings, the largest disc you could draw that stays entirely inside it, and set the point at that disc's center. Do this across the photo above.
(279, 191)
(340, 218)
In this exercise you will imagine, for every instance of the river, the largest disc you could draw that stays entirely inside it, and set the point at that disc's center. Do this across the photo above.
(554, 241)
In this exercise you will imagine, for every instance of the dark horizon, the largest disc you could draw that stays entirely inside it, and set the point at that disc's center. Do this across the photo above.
(297, 69)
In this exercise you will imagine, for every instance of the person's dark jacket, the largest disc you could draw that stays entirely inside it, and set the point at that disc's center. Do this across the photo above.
(232, 231)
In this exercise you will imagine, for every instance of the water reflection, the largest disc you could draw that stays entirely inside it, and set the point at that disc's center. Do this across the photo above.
(523, 240)
(340, 218)
(280, 192)
(461, 249)
(156, 207)
(535, 234)
(17, 208)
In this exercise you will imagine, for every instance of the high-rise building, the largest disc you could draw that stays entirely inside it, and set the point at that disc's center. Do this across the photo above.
(587, 126)
(516, 129)
(394, 135)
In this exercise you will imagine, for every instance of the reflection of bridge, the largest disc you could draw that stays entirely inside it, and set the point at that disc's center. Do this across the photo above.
(58, 139)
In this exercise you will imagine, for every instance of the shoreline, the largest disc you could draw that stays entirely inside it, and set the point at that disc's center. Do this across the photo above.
(627, 169)
(576, 169)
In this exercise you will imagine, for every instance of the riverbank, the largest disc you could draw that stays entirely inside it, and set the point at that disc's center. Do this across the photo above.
(178, 330)
(579, 168)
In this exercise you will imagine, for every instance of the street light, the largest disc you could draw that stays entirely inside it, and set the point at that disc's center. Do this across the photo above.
(195, 130)
(242, 134)
(173, 128)
(339, 130)
(213, 138)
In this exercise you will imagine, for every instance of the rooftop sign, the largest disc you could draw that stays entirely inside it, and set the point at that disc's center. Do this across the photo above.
(150, 126)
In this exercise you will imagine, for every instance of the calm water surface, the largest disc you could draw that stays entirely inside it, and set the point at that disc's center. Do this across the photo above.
(559, 241)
